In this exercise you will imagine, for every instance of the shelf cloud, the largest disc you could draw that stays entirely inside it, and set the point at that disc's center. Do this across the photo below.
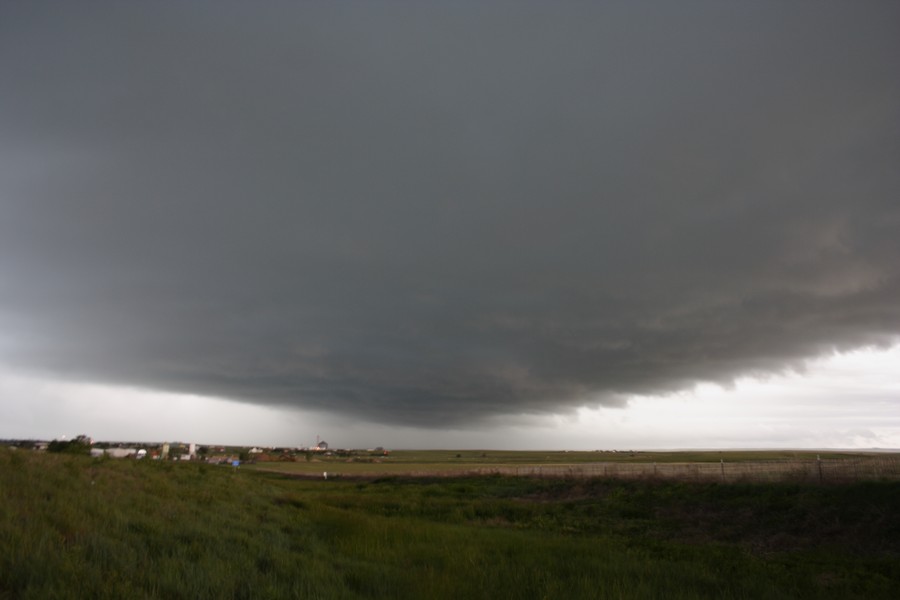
(432, 215)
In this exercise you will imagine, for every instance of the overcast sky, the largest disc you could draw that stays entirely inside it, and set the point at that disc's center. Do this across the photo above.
(472, 224)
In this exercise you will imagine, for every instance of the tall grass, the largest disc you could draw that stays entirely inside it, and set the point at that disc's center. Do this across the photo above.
(73, 527)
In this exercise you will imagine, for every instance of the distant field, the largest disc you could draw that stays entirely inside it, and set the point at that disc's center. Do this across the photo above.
(76, 527)
(734, 465)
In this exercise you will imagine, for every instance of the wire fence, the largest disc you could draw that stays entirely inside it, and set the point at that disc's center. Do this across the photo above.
(815, 470)
(829, 470)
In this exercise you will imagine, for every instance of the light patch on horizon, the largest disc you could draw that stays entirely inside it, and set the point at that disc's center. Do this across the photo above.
(62, 409)
(849, 400)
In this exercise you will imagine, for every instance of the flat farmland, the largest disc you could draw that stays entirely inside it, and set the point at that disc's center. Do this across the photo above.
(700, 465)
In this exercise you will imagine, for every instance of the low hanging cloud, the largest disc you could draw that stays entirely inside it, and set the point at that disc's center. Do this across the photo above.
(433, 215)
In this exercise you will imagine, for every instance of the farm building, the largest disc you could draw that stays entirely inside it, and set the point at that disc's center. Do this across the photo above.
(115, 452)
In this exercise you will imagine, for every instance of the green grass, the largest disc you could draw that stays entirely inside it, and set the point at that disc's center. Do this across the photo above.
(73, 527)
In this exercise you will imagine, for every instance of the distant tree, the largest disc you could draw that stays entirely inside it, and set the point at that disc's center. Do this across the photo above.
(69, 447)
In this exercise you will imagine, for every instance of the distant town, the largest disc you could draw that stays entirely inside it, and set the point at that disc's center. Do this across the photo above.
(189, 451)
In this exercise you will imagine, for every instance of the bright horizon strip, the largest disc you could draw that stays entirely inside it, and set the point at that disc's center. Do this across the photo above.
(849, 400)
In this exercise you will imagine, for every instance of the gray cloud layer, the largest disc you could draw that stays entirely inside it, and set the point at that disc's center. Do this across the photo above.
(429, 214)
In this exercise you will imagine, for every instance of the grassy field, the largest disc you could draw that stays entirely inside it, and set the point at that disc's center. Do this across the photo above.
(75, 527)
(755, 465)
(537, 457)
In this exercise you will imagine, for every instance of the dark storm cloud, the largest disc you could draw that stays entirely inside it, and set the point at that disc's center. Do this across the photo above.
(431, 214)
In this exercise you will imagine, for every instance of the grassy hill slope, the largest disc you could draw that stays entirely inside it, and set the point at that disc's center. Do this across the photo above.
(75, 527)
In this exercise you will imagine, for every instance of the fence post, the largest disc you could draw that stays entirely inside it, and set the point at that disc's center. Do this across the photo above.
(819, 463)
(722, 466)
